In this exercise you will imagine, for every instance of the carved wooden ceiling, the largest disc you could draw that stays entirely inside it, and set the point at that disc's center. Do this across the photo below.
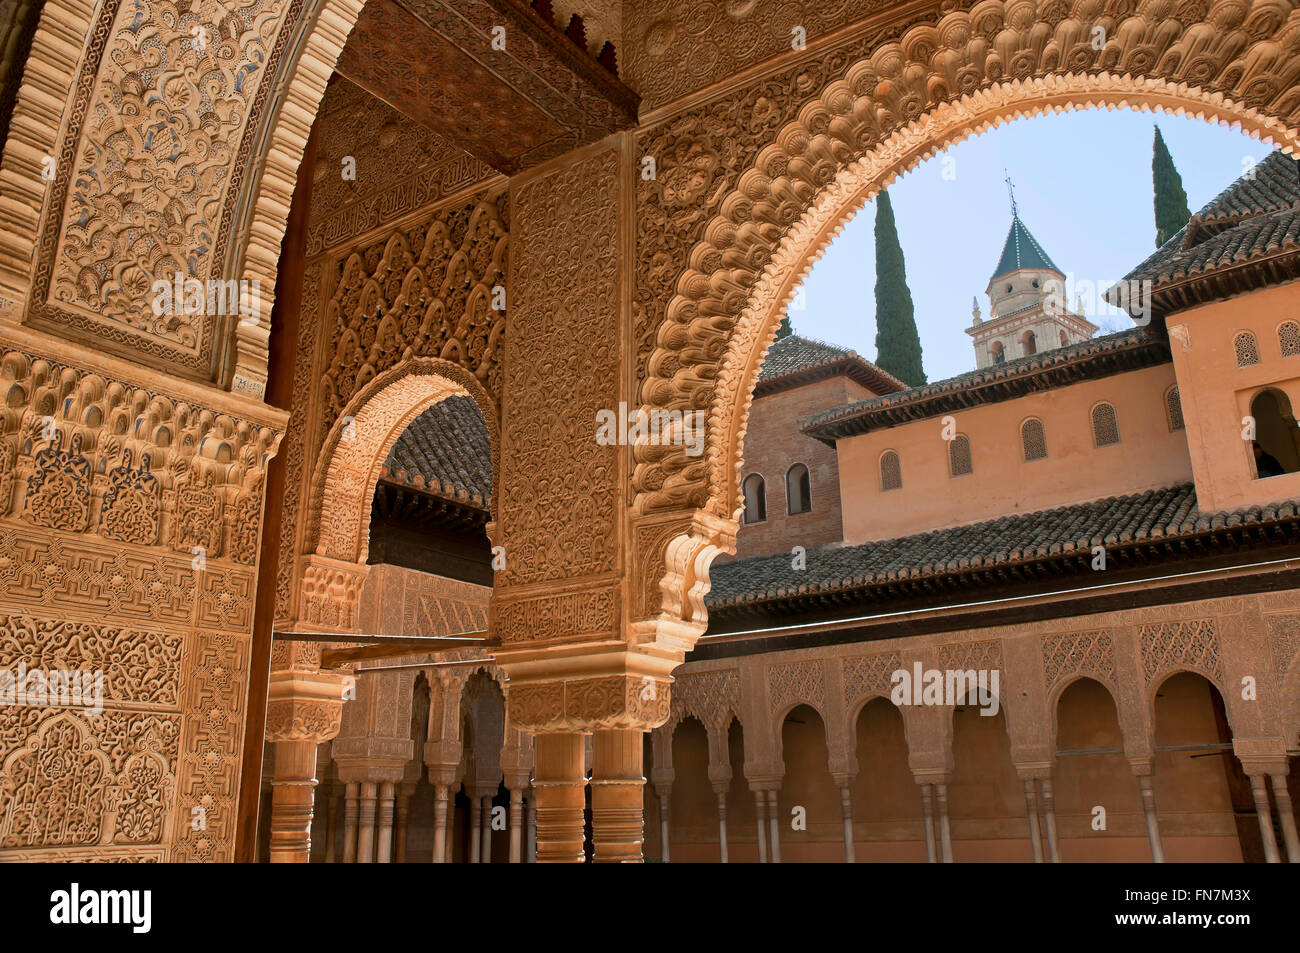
(434, 60)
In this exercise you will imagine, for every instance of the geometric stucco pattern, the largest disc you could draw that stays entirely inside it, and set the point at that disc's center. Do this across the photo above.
(1075, 653)
(803, 682)
(1172, 646)
(711, 696)
(869, 675)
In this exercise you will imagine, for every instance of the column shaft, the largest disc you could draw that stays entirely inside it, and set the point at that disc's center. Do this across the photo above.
(1031, 808)
(485, 854)
(532, 827)
(560, 781)
(1049, 820)
(440, 823)
(617, 796)
(350, 811)
(927, 812)
(945, 829)
(774, 830)
(399, 828)
(475, 842)
(331, 829)
(760, 813)
(665, 828)
(846, 811)
(293, 792)
(366, 824)
(516, 824)
(1153, 823)
(1259, 789)
(384, 836)
(1286, 814)
(722, 827)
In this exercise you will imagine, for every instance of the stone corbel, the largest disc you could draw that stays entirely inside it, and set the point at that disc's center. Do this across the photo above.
(305, 706)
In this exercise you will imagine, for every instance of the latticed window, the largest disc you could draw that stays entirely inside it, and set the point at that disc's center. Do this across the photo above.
(1174, 407)
(1105, 426)
(891, 471)
(1288, 338)
(755, 498)
(1033, 439)
(959, 456)
(798, 490)
(1247, 349)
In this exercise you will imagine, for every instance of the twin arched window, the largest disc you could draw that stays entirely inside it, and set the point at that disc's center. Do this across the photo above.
(798, 490)
(1105, 426)
(959, 460)
(1033, 440)
(755, 491)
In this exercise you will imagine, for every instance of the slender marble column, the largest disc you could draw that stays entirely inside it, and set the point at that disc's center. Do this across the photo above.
(760, 814)
(403, 805)
(560, 781)
(945, 829)
(1049, 819)
(350, 811)
(532, 827)
(293, 790)
(617, 795)
(384, 846)
(927, 811)
(1153, 823)
(846, 811)
(366, 824)
(450, 822)
(475, 843)
(485, 855)
(1286, 814)
(722, 826)
(440, 799)
(665, 854)
(516, 824)
(774, 830)
(1259, 789)
(1031, 808)
(331, 828)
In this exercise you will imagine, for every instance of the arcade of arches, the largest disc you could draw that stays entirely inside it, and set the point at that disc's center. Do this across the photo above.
(222, 509)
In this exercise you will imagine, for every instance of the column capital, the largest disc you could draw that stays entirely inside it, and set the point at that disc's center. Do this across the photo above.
(305, 706)
(590, 703)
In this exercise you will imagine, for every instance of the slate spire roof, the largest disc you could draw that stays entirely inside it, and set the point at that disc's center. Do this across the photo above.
(1021, 250)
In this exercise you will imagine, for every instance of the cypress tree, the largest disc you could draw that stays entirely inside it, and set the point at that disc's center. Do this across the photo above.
(784, 329)
(898, 348)
(1170, 199)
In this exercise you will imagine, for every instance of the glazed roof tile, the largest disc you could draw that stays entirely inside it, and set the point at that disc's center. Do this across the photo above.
(446, 449)
(1167, 513)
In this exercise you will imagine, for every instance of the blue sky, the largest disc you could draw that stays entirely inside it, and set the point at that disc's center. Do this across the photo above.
(1083, 187)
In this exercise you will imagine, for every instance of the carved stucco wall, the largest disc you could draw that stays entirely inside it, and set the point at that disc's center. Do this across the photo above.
(128, 544)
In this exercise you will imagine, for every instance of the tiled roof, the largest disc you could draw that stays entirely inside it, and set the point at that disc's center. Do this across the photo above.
(1256, 218)
(1097, 357)
(1021, 250)
(1164, 514)
(446, 449)
(793, 359)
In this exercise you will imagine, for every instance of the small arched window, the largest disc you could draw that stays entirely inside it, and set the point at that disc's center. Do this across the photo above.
(1065, 339)
(959, 462)
(891, 471)
(1033, 439)
(999, 354)
(755, 498)
(1029, 342)
(1105, 426)
(1288, 338)
(798, 490)
(1247, 349)
(1174, 408)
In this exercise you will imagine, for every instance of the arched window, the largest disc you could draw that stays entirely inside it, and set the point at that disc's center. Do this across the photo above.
(959, 462)
(1065, 339)
(1276, 448)
(755, 498)
(1105, 426)
(1174, 408)
(1033, 439)
(1288, 338)
(891, 471)
(798, 490)
(996, 349)
(1029, 343)
(1247, 349)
